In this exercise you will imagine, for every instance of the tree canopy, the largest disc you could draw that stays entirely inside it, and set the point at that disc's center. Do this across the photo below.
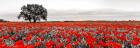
(33, 12)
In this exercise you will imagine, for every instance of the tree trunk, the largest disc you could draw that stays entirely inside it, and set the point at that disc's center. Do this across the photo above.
(34, 19)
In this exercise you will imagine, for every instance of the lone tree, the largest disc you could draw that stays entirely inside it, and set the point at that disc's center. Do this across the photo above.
(33, 12)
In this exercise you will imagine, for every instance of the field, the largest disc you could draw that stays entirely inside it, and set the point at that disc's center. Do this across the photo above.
(80, 34)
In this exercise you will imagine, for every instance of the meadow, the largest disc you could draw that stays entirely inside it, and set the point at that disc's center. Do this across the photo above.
(80, 34)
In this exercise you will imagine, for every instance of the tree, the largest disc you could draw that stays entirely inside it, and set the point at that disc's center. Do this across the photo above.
(33, 12)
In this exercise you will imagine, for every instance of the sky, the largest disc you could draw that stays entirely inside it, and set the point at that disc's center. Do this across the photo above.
(10, 9)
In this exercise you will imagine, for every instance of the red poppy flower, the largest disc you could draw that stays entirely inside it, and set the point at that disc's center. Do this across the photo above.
(116, 45)
(3, 45)
(58, 40)
(134, 42)
(68, 40)
(37, 43)
(76, 43)
(30, 46)
(13, 38)
(69, 46)
(50, 44)
(10, 47)
(19, 44)
(60, 45)
(7, 36)
(102, 43)
(40, 38)
(28, 38)
(1, 40)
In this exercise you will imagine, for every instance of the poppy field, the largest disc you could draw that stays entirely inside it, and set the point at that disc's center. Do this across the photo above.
(70, 35)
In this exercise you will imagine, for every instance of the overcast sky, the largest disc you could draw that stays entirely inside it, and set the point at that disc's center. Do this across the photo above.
(13, 6)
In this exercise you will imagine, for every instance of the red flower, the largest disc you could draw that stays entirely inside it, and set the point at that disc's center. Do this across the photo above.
(68, 40)
(13, 38)
(3, 45)
(10, 47)
(98, 46)
(37, 43)
(90, 43)
(30, 46)
(50, 44)
(40, 39)
(60, 45)
(1, 40)
(28, 38)
(69, 46)
(76, 43)
(19, 44)
(7, 36)
(58, 40)
(102, 43)
(134, 42)
(116, 45)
